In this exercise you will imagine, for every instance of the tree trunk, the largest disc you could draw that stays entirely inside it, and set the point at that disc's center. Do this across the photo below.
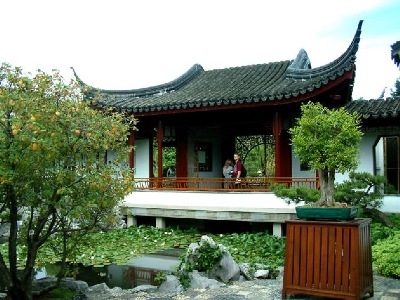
(327, 181)
(330, 199)
(323, 179)
(16, 292)
(376, 212)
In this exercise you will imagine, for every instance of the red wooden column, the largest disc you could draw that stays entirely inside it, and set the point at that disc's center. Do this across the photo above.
(283, 153)
(277, 128)
(160, 137)
(286, 155)
(151, 153)
(181, 151)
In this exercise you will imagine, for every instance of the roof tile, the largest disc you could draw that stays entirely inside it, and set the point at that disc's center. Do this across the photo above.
(197, 88)
(375, 108)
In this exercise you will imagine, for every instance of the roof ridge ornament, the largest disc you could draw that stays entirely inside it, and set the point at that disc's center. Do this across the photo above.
(302, 61)
(345, 62)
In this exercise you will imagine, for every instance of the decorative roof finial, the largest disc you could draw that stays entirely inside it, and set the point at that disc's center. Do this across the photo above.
(382, 96)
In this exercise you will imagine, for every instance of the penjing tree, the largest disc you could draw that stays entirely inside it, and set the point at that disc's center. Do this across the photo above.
(328, 141)
(54, 173)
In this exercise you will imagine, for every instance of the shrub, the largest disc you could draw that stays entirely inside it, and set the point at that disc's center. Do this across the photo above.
(380, 232)
(385, 254)
(160, 277)
(202, 257)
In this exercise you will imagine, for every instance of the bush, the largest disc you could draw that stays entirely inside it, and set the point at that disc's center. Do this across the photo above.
(202, 256)
(380, 232)
(295, 194)
(385, 254)
(362, 190)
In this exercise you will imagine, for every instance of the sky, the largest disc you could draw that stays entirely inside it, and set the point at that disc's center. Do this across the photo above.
(129, 44)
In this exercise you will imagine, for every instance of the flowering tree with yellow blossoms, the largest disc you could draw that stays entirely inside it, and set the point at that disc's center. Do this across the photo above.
(54, 172)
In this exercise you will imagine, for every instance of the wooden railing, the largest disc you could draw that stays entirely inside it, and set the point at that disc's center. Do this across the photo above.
(248, 184)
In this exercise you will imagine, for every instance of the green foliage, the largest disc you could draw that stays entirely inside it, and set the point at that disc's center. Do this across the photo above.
(160, 277)
(54, 172)
(385, 254)
(202, 257)
(380, 232)
(253, 248)
(257, 153)
(169, 158)
(207, 257)
(119, 245)
(386, 246)
(396, 91)
(362, 189)
(395, 218)
(295, 194)
(327, 139)
(58, 294)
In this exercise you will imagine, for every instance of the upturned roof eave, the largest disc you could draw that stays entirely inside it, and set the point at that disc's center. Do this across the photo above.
(305, 83)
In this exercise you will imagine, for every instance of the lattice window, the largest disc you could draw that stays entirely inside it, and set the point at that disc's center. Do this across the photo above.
(257, 152)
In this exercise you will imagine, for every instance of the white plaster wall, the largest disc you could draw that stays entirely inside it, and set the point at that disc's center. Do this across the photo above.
(379, 158)
(296, 172)
(112, 154)
(216, 159)
(391, 204)
(366, 158)
(142, 159)
(209, 135)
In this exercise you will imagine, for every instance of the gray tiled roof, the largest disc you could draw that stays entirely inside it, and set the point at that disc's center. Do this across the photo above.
(198, 89)
(375, 109)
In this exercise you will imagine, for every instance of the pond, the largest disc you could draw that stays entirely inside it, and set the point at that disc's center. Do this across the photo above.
(137, 271)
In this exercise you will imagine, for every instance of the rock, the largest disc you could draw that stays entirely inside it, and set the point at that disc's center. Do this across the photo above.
(43, 285)
(103, 292)
(145, 288)
(245, 271)
(198, 281)
(261, 274)
(170, 284)
(228, 269)
(75, 285)
(98, 288)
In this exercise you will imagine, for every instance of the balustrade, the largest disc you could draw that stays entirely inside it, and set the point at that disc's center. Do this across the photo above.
(248, 184)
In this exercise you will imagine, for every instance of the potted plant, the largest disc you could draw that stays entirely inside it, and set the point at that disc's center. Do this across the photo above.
(329, 258)
(326, 140)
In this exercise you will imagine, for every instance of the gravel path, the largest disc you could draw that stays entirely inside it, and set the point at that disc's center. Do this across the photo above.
(266, 289)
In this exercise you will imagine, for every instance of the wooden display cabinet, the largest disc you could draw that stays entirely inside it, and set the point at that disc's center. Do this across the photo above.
(329, 259)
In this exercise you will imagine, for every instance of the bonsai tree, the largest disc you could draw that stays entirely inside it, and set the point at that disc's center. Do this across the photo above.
(327, 140)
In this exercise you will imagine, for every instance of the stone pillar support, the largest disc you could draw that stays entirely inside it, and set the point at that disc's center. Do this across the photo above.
(131, 221)
(160, 222)
(277, 229)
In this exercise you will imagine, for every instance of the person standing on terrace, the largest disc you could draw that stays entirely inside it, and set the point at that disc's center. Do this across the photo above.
(227, 170)
(237, 168)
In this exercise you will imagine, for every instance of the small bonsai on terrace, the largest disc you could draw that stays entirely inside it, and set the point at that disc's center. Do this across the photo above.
(326, 140)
